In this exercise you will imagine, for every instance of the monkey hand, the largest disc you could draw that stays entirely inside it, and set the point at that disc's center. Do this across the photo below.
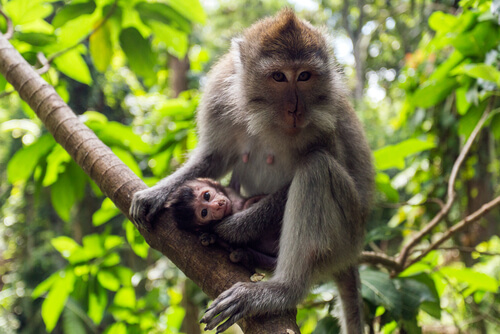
(233, 304)
(146, 204)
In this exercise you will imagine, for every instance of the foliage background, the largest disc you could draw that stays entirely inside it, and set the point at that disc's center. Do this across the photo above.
(421, 73)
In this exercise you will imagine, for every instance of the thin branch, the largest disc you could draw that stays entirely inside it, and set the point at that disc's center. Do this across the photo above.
(6, 93)
(10, 27)
(451, 192)
(401, 204)
(382, 259)
(45, 65)
(463, 249)
(82, 40)
(458, 227)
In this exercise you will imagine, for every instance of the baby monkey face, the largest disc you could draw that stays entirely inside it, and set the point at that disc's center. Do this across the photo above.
(210, 204)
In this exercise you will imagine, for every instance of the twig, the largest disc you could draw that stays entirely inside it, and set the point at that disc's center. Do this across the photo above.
(458, 227)
(382, 259)
(460, 249)
(400, 204)
(42, 60)
(10, 27)
(401, 259)
(103, 21)
(6, 93)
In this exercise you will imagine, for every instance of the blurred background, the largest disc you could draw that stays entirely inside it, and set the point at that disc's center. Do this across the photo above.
(421, 73)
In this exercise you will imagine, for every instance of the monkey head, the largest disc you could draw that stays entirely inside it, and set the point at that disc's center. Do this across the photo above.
(198, 204)
(285, 70)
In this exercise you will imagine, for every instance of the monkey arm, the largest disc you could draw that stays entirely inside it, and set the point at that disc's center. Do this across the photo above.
(146, 204)
(253, 223)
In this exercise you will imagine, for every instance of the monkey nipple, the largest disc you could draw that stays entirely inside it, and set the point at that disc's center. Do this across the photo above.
(245, 158)
(270, 159)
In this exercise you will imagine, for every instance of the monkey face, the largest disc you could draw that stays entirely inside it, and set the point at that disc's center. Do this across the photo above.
(286, 66)
(209, 204)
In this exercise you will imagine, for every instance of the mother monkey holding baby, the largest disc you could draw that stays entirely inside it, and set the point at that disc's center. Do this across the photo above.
(278, 92)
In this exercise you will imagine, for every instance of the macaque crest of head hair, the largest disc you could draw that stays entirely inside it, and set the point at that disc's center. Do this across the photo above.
(285, 37)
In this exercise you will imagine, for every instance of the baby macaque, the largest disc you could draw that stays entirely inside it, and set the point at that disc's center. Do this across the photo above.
(198, 205)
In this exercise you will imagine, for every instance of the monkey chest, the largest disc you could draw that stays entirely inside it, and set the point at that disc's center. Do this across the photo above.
(261, 170)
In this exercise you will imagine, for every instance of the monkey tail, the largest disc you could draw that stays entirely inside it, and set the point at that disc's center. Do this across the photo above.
(349, 306)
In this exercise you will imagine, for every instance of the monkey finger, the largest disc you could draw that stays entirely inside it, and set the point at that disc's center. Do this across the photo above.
(225, 314)
(229, 322)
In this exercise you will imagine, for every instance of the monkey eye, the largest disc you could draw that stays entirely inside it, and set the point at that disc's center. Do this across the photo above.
(279, 76)
(304, 76)
(204, 213)
(206, 196)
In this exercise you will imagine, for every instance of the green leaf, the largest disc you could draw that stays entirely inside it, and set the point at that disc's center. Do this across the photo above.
(65, 245)
(478, 41)
(36, 39)
(116, 328)
(379, 289)
(107, 211)
(98, 300)
(175, 315)
(495, 126)
(463, 104)
(468, 122)
(56, 164)
(56, 299)
(124, 274)
(327, 325)
(73, 65)
(383, 183)
(442, 22)
(26, 11)
(45, 285)
(72, 11)
(108, 280)
(383, 233)
(413, 293)
(470, 280)
(191, 9)
(393, 156)
(432, 92)
(136, 240)
(24, 161)
(176, 41)
(115, 134)
(72, 322)
(125, 297)
(92, 243)
(62, 196)
(101, 47)
(112, 241)
(163, 13)
(138, 51)
(482, 71)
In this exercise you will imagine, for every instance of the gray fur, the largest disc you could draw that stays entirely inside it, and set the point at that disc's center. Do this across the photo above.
(321, 181)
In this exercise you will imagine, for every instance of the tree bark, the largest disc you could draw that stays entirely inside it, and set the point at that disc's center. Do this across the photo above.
(208, 267)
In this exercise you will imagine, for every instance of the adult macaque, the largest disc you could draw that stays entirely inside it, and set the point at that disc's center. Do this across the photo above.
(200, 204)
(278, 91)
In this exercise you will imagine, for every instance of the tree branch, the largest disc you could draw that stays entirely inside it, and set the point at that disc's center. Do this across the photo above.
(208, 267)
(451, 193)
(458, 227)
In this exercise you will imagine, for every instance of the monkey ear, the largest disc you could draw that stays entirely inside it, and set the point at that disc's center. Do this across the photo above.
(236, 44)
